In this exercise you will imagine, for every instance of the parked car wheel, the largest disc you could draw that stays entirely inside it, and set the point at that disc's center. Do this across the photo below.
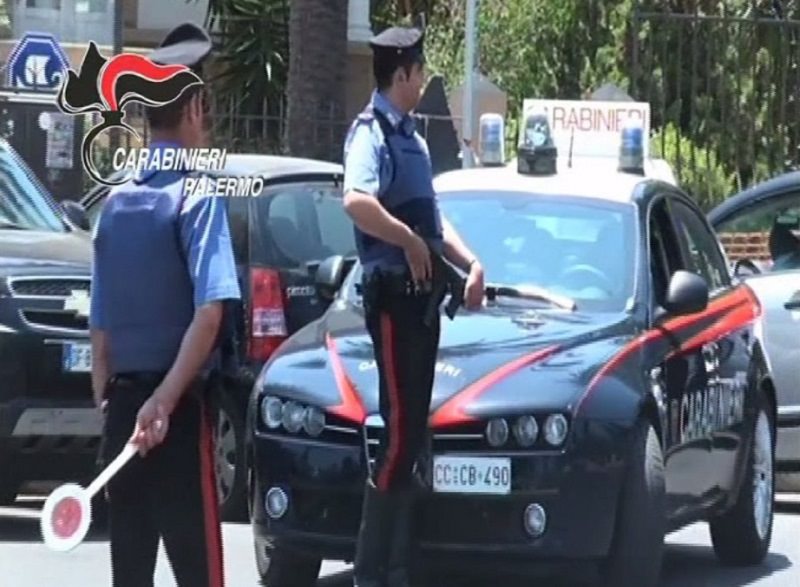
(741, 536)
(638, 544)
(229, 460)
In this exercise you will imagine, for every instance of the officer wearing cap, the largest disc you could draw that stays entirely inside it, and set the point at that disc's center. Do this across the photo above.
(163, 267)
(389, 195)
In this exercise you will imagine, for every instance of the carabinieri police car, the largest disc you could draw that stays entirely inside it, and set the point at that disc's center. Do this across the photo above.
(612, 390)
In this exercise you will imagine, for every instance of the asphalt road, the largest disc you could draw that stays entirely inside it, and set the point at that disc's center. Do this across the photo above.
(690, 561)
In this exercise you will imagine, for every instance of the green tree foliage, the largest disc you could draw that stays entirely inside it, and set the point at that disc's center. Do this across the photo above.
(725, 95)
(252, 67)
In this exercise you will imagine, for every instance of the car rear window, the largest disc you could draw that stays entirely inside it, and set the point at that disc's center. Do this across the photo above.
(298, 224)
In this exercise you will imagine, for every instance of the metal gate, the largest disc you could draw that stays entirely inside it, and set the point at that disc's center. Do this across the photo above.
(724, 91)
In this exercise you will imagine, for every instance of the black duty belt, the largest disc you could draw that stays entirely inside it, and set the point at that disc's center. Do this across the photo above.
(140, 378)
(392, 284)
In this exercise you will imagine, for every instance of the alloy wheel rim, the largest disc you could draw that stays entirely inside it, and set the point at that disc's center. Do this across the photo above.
(225, 455)
(762, 475)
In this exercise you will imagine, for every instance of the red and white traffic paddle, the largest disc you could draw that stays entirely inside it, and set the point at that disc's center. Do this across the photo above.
(67, 513)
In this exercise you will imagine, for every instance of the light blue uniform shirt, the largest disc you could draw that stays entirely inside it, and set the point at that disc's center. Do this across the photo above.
(144, 288)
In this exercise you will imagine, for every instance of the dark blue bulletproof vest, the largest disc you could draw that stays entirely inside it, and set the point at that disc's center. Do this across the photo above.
(406, 192)
(146, 297)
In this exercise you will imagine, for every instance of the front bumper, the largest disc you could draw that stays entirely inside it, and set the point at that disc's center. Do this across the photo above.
(325, 481)
(49, 427)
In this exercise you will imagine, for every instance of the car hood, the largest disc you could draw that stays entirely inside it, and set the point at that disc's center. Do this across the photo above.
(27, 251)
(489, 362)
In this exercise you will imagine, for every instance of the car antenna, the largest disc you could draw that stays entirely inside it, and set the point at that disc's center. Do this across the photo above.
(571, 143)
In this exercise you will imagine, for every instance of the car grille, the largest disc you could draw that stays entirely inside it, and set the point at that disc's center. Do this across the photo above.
(463, 439)
(55, 319)
(38, 301)
(49, 287)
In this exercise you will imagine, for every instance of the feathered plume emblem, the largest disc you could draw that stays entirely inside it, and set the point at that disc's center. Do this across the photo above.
(106, 85)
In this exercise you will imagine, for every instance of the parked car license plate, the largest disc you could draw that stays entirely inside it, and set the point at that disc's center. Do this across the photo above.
(77, 357)
(490, 475)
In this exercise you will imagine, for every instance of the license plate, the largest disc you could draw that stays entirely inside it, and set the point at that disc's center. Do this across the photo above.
(77, 357)
(490, 475)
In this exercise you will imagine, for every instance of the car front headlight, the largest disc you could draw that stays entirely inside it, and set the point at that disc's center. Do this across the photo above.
(314, 422)
(272, 411)
(526, 430)
(556, 428)
(497, 432)
(292, 416)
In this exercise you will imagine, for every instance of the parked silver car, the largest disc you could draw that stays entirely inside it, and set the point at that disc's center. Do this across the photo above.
(760, 231)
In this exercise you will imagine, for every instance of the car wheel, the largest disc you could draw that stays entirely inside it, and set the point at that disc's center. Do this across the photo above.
(638, 544)
(741, 536)
(229, 461)
(280, 568)
(787, 482)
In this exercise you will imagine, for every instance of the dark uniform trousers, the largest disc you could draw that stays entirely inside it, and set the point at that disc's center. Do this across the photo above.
(169, 494)
(405, 351)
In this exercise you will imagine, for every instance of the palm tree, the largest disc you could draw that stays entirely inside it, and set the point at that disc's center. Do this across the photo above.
(316, 87)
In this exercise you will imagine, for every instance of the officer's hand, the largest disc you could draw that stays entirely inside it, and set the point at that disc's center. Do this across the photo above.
(419, 258)
(152, 424)
(474, 289)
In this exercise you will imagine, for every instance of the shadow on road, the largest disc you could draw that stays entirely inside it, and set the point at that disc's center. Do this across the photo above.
(696, 566)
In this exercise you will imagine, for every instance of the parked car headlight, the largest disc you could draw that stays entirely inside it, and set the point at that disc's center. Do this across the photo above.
(526, 430)
(555, 429)
(293, 416)
(314, 422)
(272, 411)
(497, 432)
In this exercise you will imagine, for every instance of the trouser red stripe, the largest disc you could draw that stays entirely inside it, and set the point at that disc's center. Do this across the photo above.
(210, 503)
(396, 418)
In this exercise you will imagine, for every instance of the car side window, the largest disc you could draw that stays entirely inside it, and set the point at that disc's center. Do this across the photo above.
(766, 234)
(664, 252)
(703, 254)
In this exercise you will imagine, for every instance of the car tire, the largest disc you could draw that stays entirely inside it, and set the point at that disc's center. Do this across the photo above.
(280, 568)
(638, 543)
(742, 535)
(229, 460)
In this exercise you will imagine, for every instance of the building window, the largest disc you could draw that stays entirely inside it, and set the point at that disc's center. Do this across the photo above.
(44, 4)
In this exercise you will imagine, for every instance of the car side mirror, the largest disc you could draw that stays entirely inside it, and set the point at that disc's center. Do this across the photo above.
(76, 214)
(329, 277)
(687, 294)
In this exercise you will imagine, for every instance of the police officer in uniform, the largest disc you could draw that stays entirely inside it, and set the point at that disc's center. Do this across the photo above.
(389, 195)
(163, 267)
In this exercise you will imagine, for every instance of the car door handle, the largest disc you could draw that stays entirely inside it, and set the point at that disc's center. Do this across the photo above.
(794, 302)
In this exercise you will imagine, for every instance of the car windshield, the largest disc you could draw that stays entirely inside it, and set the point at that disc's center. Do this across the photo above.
(24, 203)
(564, 248)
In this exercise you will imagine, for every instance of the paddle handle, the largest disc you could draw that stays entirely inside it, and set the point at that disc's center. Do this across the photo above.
(114, 466)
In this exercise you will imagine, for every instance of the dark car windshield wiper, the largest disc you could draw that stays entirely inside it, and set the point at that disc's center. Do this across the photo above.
(530, 292)
(14, 225)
